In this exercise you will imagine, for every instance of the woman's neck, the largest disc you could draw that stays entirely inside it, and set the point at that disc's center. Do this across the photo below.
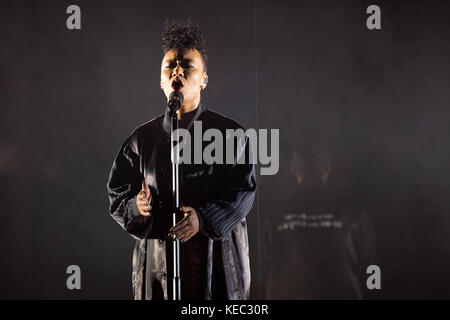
(185, 108)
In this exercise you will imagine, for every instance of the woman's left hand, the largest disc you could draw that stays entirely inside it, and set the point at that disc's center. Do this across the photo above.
(187, 227)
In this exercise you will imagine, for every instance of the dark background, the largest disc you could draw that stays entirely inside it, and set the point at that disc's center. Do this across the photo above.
(70, 98)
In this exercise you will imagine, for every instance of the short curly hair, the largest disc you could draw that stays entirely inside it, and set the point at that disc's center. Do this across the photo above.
(183, 34)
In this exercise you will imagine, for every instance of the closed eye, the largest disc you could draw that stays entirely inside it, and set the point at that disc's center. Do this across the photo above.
(184, 67)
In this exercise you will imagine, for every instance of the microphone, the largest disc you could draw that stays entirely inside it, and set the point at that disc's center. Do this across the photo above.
(175, 101)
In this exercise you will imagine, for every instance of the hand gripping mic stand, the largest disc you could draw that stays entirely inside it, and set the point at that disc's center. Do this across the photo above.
(175, 101)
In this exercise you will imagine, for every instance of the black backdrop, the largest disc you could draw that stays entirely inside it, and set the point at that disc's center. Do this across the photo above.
(69, 99)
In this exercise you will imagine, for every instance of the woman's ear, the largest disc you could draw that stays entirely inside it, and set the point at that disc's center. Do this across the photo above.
(204, 82)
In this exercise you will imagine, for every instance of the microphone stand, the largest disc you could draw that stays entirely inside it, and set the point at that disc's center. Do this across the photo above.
(175, 101)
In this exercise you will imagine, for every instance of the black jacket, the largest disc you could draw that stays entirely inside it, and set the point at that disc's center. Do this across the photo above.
(215, 262)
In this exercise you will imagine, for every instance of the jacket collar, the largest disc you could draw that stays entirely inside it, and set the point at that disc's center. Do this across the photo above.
(167, 120)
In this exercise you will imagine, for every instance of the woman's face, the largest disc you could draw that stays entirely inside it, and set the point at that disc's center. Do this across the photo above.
(183, 70)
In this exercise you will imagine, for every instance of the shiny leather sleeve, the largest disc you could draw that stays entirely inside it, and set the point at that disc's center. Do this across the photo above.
(231, 198)
(124, 183)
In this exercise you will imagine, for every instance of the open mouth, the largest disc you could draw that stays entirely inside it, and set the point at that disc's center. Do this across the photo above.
(177, 85)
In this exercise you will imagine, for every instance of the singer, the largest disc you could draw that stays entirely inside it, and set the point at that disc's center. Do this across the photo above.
(215, 198)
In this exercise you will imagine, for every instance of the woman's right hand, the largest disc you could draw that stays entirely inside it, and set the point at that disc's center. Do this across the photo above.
(143, 200)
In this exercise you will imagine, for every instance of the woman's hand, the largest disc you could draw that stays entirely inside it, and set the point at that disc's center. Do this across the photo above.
(143, 200)
(188, 226)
